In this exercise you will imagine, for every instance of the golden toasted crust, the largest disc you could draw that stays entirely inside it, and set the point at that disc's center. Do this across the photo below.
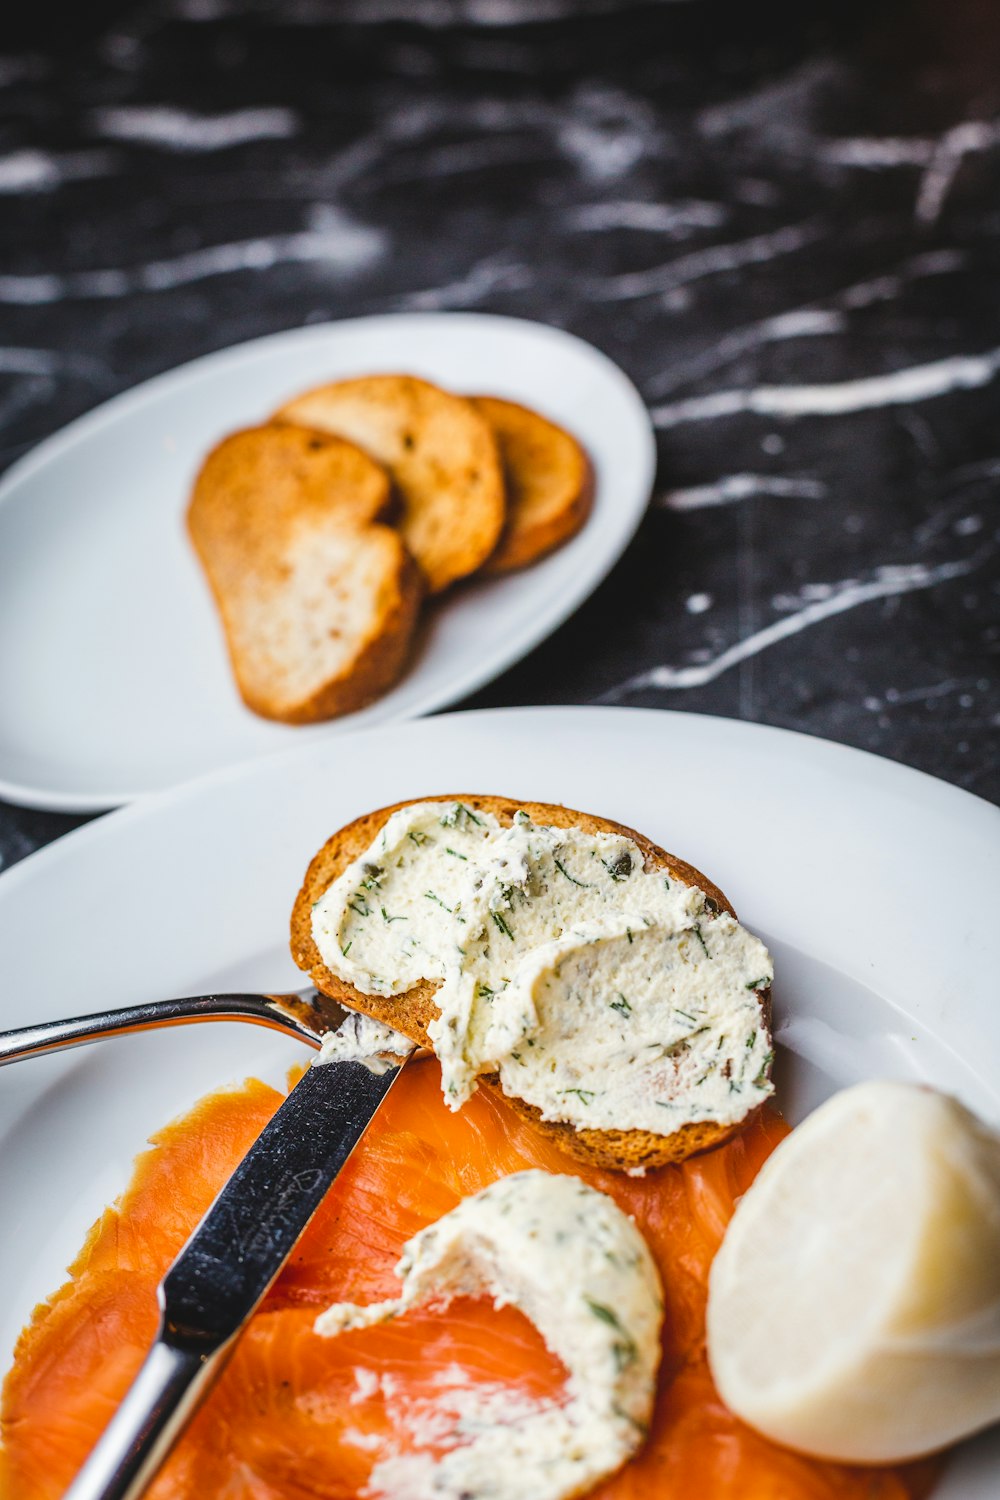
(263, 476)
(441, 454)
(550, 483)
(318, 601)
(412, 1012)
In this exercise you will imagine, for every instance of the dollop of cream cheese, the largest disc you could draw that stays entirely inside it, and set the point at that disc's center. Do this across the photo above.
(608, 996)
(360, 1039)
(578, 1268)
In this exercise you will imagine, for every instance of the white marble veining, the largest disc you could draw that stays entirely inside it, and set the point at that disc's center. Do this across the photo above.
(180, 130)
(875, 153)
(676, 220)
(762, 225)
(712, 261)
(834, 599)
(939, 157)
(34, 171)
(735, 487)
(960, 372)
(332, 240)
(495, 273)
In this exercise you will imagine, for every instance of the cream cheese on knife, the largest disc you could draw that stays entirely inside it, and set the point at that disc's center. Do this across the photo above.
(608, 996)
(360, 1039)
(577, 1267)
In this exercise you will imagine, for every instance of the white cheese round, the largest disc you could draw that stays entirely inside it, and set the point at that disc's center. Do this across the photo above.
(854, 1307)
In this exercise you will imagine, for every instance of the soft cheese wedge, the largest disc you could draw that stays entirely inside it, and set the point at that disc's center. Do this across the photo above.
(854, 1307)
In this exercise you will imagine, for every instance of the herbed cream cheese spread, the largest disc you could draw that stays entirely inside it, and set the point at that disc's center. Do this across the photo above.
(608, 996)
(360, 1039)
(578, 1268)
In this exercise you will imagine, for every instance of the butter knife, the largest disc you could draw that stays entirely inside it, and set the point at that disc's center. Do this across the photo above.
(226, 1267)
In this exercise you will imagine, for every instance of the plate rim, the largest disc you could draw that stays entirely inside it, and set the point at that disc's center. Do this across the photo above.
(538, 624)
(96, 416)
(152, 803)
(831, 758)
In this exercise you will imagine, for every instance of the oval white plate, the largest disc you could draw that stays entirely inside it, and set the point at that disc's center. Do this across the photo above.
(857, 872)
(113, 674)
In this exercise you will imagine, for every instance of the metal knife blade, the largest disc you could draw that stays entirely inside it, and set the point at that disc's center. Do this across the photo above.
(227, 1266)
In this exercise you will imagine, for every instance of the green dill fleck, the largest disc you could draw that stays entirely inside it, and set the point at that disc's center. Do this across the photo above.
(628, 933)
(665, 1103)
(686, 1016)
(761, 1078)
(518, 1058)
(418, 837)
(621, 1005)
(666, 882)
(620, 868)
(583, 884)
(432, 896)
(624, 1348)
(484, 990)
(498, 919)
(585, 1096)
(624, 1416)
(758, 984)
(704, 945)
(362, 910)
(456, 854)
(459, 811)
(373, 877)
(346, 951)
(386, 917)
(751, 1039)
(605, 1314)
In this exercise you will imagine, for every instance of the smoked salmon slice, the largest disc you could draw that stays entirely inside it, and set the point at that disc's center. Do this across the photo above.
(298, 1417)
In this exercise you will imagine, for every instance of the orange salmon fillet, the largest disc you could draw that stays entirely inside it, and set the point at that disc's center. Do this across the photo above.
(296, 1417)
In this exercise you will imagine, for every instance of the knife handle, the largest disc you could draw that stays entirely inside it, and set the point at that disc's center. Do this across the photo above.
(160, 1402)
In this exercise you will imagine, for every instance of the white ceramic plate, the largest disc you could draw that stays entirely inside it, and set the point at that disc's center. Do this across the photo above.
(113, 673)
(856, 871)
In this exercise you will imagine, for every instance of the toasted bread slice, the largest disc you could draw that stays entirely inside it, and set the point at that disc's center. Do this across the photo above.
(441, 454)
(550, 483)
(411, 1013)
(318, 602)
(264, 475)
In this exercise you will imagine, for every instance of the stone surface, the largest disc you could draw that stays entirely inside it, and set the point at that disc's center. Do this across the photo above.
(786, 231)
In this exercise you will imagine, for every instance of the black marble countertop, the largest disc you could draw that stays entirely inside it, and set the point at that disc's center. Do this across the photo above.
(784, 224)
